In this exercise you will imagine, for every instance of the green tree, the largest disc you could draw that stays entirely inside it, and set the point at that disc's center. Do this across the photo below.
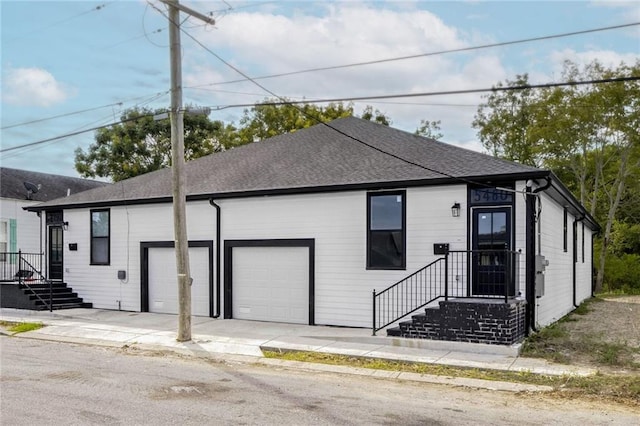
(141, 144)
(504, 123)
(587, 134)
(270, 119)
(429, 129)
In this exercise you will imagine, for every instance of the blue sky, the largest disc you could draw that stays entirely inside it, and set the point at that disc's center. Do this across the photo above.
(60, 58)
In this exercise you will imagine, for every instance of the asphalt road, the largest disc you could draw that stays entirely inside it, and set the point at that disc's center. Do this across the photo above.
(50, 383)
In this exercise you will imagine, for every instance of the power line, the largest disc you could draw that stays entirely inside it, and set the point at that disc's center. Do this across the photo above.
(59, 116)
(293, 103)
(355, 139)
(284, 101)
(422, 55)
(78, 132)
(94, 9)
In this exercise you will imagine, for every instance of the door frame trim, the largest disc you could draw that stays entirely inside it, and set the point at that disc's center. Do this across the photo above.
(229, 245)
(144, 268)
(472, 236)
(50, 228)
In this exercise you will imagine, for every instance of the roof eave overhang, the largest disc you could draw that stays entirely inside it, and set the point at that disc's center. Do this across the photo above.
(370, 186)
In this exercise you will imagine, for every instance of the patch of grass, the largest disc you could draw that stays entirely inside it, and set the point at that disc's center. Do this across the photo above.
(547, 343)
(410, 367)
(623, 389)
(24, 327)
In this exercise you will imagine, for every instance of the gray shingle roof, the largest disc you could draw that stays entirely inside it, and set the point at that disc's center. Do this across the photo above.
(51, 186)
(316, 157)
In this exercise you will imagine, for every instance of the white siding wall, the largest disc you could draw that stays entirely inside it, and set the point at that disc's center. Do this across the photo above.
(337, 222)
(558, 298)
(584, 265)
(28, 224)
(519, 229)
(99, 284)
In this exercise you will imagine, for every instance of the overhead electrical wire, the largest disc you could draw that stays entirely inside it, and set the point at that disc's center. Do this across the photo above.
(58, 116)
(355, 139)
(284, 101)
(81, 130)
(421, 55)
(53, 24)
(293, 102)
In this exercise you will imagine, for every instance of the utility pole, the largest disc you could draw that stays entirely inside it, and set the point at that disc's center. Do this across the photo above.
(177, 167)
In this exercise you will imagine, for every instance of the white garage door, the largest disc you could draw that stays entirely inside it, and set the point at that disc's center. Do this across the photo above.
(163, 286)
(271, 284)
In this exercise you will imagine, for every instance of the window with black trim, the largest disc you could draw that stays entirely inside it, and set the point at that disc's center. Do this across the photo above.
(564, 244)
(386, 224)
(100, 237)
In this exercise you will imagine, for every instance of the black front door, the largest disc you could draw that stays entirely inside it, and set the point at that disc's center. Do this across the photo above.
(491, 260)
(55, 252)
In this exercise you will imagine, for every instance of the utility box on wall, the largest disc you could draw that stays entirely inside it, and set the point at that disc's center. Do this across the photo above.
(541, 264)
(441, 248)
(122, 275)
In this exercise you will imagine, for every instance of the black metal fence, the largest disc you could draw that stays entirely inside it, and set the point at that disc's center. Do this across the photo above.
(25, 269)
(16, 265)
(459, 274)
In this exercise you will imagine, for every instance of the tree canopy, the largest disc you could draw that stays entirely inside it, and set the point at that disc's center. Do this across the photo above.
(140, 144)
(588, 135)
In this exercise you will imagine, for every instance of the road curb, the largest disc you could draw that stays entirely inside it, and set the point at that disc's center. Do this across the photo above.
(299, 365)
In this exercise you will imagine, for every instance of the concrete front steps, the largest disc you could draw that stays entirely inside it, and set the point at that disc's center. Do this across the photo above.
(35, 296)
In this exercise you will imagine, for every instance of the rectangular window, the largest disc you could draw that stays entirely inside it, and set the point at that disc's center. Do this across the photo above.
(564, 243)
(386, 224)
(100, 237)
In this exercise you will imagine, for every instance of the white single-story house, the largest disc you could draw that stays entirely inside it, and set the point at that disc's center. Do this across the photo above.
(303, 227)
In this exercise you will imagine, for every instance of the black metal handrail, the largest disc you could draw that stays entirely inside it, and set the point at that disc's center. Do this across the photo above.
(409, 294)
(487, 274)
(21, 267)
(494, 274)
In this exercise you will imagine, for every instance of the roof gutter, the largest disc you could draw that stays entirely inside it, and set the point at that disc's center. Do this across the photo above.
(575, 258)
(530, 223)
(217, 254)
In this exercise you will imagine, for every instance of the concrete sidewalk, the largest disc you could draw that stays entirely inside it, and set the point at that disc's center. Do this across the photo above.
(245, 340)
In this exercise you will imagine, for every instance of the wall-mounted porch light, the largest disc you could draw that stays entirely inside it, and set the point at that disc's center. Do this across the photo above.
(455, 209)
(63, 225)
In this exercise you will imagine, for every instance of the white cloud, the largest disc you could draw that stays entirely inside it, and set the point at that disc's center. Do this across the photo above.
(607, 58)
(32, 87)
(263, 43)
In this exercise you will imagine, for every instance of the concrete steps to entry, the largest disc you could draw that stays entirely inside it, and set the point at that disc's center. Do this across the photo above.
(36, 296)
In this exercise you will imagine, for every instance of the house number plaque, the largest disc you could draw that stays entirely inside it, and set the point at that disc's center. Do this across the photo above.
(491, 196)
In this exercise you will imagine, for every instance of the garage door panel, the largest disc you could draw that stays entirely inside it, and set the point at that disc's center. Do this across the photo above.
(271, 284)
(163, 287)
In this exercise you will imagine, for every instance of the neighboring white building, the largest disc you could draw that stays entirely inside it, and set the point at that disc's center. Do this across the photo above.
(302, 227)
(20, 230)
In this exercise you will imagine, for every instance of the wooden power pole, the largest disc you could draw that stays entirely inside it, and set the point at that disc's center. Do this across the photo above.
(177, 167)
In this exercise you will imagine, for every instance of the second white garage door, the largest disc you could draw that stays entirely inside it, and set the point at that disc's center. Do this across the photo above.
(163, 287)
(271, 284)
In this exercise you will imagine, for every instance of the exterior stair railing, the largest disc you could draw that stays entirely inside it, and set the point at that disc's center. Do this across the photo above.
(23, 268)
(409, 294)
(494, 273)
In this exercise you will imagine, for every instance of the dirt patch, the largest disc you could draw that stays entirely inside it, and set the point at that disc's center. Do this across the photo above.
(603, 333)
(611, 320)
